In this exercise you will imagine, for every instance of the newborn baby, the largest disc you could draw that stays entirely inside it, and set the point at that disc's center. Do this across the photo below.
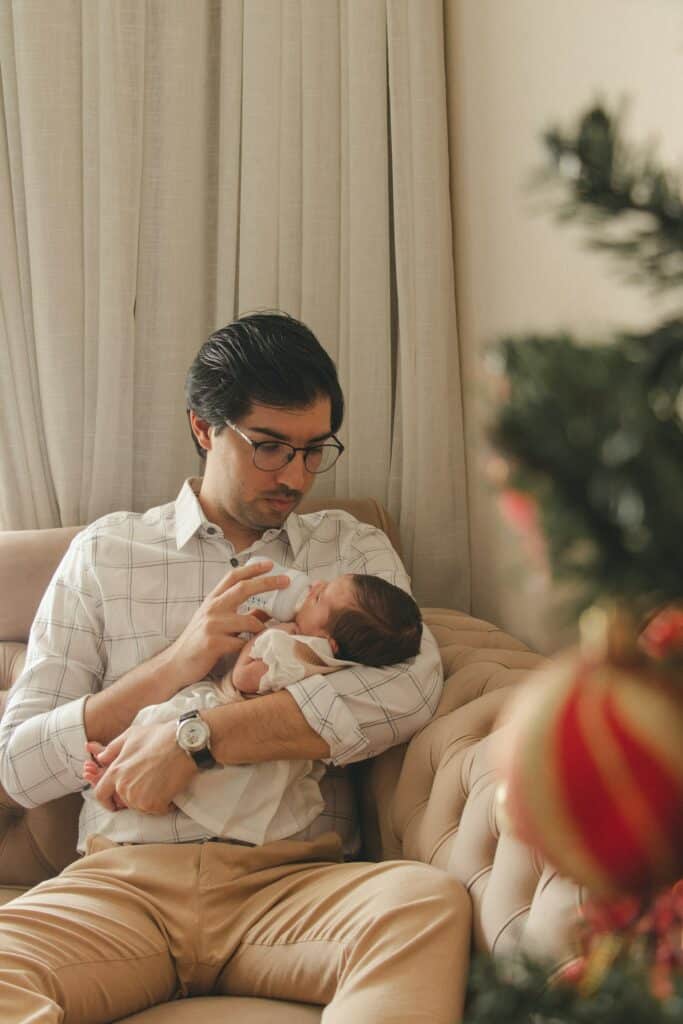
(354, 618)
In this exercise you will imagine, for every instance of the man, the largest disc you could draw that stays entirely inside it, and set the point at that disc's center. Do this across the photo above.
(143, 605)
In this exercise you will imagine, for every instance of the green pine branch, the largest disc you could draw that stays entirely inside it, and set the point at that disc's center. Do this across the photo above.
(595, 431)
(517, 992)
(594, 434)
(608, 181)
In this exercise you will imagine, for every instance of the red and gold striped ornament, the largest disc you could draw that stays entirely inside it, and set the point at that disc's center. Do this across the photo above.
(592, 769)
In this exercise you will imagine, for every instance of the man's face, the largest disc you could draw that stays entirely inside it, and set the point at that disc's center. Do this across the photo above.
(254, 499)
(324, 601)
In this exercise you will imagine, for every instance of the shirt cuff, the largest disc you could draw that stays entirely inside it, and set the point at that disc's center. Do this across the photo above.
(68, 730)
(328, 715)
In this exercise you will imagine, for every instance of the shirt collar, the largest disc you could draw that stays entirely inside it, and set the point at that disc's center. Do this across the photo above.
(190, 520)
(189, 514)
(292, 529)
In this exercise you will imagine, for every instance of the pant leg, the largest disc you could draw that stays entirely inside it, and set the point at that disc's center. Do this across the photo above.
(129, 927)
(85, 947)
(376, 943)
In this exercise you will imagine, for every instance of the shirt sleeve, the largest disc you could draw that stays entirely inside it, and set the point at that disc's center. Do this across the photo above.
(362, 711)
(42, 733)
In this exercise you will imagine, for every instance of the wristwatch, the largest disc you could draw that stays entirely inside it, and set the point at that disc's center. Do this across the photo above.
(192, 735)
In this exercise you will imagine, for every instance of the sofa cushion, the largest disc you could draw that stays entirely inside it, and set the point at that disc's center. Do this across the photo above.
(221, 1009)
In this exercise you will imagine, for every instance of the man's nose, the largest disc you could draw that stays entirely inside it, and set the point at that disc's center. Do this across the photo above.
(294, 475)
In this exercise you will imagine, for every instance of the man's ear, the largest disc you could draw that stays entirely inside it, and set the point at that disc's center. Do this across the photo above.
(201, 430)
(334, 645)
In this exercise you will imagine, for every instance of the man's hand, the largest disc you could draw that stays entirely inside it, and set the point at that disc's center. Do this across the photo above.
(212, 632)
(144, 769)
(93, 771)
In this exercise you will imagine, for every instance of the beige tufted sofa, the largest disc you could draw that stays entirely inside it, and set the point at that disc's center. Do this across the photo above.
(432, 800)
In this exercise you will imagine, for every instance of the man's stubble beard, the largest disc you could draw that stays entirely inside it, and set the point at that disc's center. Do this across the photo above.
(253, 517)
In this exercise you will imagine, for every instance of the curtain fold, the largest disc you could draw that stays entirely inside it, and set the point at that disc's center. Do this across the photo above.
(428, 493)
(176, 272)
(112, 76)
(167, 165)
(364, 360)
(27, 494)
(38, 95)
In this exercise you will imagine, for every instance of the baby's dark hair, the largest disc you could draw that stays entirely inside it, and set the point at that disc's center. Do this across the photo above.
(385, 628)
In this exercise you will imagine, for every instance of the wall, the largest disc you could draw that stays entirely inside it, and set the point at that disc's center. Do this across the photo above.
(516, 67)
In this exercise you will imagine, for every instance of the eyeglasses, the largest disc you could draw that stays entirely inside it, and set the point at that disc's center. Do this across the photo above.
(271, 455)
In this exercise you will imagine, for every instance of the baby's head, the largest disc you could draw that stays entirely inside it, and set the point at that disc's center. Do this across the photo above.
(365, 618)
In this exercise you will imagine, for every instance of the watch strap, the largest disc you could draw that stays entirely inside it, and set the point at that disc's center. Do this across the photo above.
(203, 758)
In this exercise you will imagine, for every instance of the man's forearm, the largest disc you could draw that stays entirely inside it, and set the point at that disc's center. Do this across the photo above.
(146, 768)
(110, 711)
(268, 728)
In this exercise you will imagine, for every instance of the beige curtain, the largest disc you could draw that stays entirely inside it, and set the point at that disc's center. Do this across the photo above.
(167, 165)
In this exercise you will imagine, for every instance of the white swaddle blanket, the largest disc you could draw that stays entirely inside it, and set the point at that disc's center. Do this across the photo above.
(291, 657)
(255, 803)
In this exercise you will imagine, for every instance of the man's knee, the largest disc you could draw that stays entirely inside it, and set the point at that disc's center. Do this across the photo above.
(408, 957)
(422, 892)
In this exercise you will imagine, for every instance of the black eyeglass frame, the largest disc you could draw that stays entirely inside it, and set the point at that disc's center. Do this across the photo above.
(255, 445)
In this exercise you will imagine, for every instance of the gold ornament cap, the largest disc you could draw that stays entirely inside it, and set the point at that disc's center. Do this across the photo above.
(608, 634)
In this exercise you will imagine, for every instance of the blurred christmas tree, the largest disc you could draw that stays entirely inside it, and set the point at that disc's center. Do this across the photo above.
(593, 432)
(592, 440)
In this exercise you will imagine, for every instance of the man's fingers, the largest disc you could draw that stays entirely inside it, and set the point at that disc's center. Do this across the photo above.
(94, 749)
(242, 572)
(109, 753)
(243, 624)
(105, 792)
(232, 597)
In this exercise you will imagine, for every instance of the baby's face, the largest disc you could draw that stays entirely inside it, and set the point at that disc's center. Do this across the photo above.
(324, 601)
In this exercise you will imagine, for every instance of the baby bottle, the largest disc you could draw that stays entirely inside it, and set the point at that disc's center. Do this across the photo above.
(280, 604)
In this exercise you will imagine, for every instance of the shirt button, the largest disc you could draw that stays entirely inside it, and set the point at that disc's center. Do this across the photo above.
(212, 530)
(234, 562)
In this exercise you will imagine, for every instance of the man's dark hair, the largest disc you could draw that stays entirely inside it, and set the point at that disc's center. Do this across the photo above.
(385, 628)
(269, 358)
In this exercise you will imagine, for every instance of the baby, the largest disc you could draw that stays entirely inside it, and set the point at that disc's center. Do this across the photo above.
(354, 618)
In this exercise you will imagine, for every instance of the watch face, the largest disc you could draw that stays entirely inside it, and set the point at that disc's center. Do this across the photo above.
(193, 734)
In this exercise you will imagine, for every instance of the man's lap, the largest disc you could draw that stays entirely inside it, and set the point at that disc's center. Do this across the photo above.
(139, 924)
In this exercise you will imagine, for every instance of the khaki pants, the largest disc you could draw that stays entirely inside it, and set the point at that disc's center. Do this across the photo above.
(127, 927)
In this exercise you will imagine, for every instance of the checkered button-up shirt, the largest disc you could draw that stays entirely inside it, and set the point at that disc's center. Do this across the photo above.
(128, 586)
